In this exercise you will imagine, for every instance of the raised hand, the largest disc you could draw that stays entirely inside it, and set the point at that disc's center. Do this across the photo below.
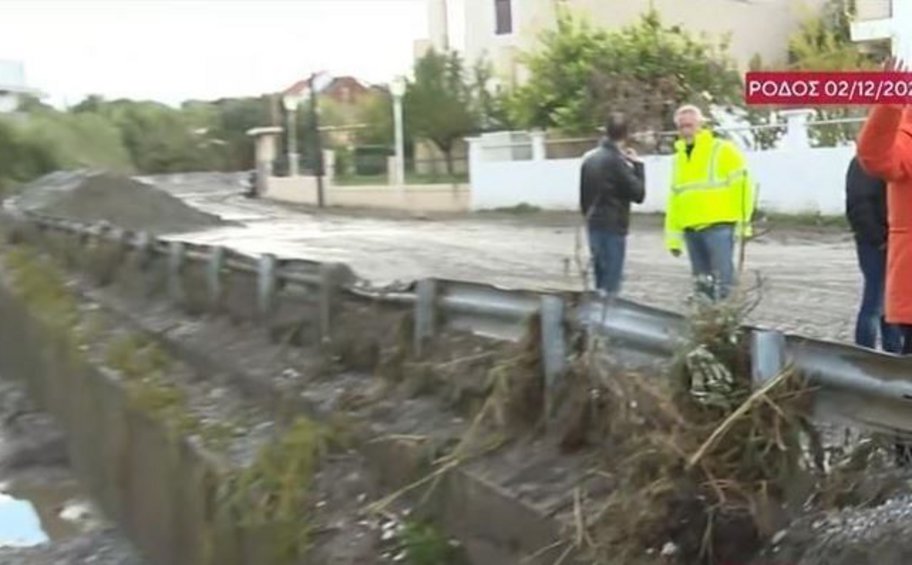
(897, 65)
(630, 153)
(894, 65)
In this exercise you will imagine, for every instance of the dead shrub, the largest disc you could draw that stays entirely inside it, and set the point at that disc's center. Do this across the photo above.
(701, 462)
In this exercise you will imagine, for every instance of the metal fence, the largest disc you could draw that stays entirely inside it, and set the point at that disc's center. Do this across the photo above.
(376, 170)
(829, 132)
(875, 389)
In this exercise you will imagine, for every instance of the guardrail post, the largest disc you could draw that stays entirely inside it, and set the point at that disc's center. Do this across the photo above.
(143, 247)
(214, 274)
(767, 348)
(84, 234)
(327, 295)
(121, 238)
(175, 264)
(425, 313)
(553, 346)
(266, 282)
(101, 232)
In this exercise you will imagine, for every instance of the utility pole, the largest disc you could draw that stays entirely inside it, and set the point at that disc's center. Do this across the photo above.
(318, 146)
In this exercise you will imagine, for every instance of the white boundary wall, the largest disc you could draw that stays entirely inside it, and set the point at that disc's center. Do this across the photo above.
(794, 178)
(794, 181)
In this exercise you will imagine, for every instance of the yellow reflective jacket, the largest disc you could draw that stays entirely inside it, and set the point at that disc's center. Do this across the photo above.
(711, 186)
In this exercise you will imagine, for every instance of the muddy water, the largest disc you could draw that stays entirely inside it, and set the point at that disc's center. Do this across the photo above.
(35, 513)
(45, 514)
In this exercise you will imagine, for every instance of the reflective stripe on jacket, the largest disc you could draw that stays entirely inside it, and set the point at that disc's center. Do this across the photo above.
(710, 186)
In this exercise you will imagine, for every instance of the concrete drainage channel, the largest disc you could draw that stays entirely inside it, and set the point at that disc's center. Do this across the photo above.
(45, 515)
(200, 459)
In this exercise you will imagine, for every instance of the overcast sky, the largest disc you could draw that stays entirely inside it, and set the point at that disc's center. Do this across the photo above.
(172, 50)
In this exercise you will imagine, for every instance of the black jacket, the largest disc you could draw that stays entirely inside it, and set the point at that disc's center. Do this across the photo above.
(866, 205)
(609, 182)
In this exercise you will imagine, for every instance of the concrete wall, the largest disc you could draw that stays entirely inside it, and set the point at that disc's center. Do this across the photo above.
(299, 189)
(159, 488)
(756, 27)
(790, 181)
(414, 198)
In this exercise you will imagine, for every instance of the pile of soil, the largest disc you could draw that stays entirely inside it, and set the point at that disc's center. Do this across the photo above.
(101, 196)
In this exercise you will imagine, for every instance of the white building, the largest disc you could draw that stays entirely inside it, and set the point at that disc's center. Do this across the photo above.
(501, 29)
(885, 20)
(13, 86)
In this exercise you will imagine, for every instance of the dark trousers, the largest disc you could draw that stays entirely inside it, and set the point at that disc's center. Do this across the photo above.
(608, 250)
(872, 260)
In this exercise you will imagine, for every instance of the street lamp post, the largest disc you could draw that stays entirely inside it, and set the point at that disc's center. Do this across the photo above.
(397, 89)
(291, 102)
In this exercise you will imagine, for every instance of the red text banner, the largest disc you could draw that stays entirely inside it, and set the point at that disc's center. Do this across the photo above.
(827, 88)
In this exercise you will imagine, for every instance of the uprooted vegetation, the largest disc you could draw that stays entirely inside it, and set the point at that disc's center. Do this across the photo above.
(703, 466)
(706, 467)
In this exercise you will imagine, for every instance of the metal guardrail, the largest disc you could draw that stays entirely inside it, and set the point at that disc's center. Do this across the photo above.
(861, 378)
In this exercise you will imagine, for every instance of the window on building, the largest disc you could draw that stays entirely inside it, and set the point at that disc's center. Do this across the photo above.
(503, 11)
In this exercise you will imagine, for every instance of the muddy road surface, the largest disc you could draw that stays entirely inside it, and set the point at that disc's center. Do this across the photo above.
(811, 281)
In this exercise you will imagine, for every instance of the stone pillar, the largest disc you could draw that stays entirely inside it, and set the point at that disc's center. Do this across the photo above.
(329, 166)
(264, 149)
(796, 132)
(391, 170)
(539, 151)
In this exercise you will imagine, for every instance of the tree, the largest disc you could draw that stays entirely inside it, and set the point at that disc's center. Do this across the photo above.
(81, 140)
(29, 103)
(493, 102)
(234, 118)
(580, 73)
(823, 42)
(22, 158)
(93, 103)
(377, 115)
(440, 104)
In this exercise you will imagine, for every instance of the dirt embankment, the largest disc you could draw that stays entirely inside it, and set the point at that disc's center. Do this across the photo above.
(99, 196)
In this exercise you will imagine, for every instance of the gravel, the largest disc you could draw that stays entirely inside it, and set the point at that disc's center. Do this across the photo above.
(880, 535)
(119, 200)
(103, 547)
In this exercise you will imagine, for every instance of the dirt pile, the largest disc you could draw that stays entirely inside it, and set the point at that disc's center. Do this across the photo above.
(96, 196)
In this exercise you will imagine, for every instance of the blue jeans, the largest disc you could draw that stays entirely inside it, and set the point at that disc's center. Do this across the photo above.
(872, 260)
(711, 252)
(608, 250)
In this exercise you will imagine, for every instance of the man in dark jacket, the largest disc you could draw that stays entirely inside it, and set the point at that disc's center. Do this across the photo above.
(866, 210)
(611, 178)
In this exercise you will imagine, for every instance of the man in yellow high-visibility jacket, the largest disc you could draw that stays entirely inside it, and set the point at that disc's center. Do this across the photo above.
(710, 203)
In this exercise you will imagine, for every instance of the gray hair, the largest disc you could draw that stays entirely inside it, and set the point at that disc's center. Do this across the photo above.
(689, 109)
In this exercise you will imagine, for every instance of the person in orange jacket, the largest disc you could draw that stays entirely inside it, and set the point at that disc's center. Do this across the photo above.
(885, 150)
